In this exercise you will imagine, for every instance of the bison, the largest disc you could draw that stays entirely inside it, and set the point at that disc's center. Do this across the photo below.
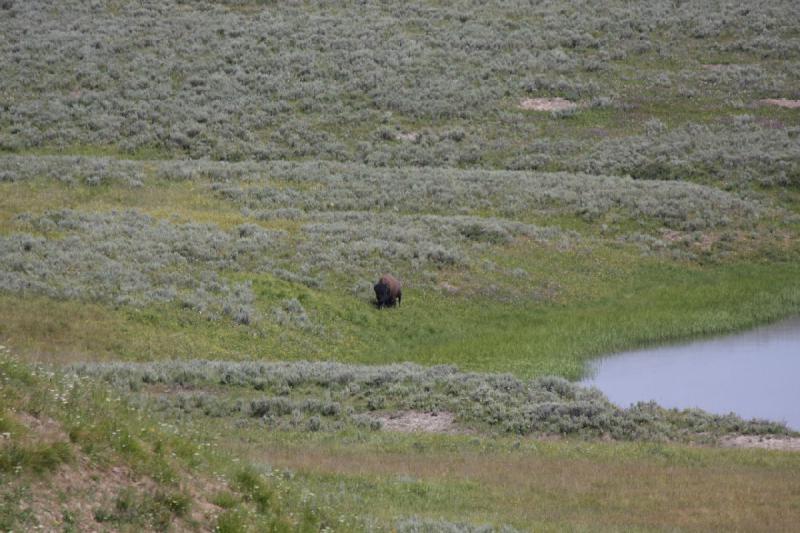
(387, 290)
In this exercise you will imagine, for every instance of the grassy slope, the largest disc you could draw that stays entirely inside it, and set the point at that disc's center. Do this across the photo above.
(149, 471)
(605, 297)
(74, 456)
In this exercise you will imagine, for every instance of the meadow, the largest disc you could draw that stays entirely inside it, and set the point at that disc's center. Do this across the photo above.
(197, 196)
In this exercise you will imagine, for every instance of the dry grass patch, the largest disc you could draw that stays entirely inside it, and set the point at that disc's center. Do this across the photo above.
(528, 488)
(448, 288)
(705, 241)
(69, 332)
(177, 202)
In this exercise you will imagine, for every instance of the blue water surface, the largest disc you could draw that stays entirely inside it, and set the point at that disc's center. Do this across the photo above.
(755, 374)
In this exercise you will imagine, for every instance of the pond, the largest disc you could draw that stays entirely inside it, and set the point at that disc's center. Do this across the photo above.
(753, 374)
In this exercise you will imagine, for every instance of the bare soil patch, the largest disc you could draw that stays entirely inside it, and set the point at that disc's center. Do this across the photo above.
(410, 421)
(44, 429)
(671, 235)
(448, 288)
(599, 132)
(546, 104)
(781, 102)
(770, 123)
(720, 67)
(409, 136)
(705, 242)
(791, 444)
(80, 487)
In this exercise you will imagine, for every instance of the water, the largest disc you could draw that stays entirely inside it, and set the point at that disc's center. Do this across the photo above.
(753, 374)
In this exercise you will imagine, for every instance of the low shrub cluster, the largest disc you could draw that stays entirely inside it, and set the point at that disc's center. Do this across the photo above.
(211, 79)
(345, 222)
(330, 396)
(127, 258)
(299, 191)
(365, 241)
(451, 191)
(73, 170)
(737, 153)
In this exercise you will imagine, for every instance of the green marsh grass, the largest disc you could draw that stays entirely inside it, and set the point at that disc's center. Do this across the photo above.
(652, 303)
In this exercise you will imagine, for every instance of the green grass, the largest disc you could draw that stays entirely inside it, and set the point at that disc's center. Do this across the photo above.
(37, 458)
(654, 304)
(530, 484)
(605, 311)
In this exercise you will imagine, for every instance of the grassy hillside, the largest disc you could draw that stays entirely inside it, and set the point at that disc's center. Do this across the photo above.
(223, 181)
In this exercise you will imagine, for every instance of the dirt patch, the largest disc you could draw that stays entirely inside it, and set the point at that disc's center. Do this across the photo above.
(546, 104)
(410, 421)
(80, 488)
(791, 444)
(599, 132)
(781, 102)
(201, 490)
(770, 123)
(77, 489)
(448, 288)
(720, 67)
(705, 241)
(670, 235)
(409, 136)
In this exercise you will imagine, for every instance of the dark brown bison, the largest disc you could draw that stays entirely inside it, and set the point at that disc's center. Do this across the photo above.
(387, 290)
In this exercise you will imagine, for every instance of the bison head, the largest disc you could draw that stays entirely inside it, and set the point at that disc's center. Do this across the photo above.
(382, 294)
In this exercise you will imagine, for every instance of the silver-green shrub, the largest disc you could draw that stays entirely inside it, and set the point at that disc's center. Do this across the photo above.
(127, 258)
(339, 394)
(205, 79)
